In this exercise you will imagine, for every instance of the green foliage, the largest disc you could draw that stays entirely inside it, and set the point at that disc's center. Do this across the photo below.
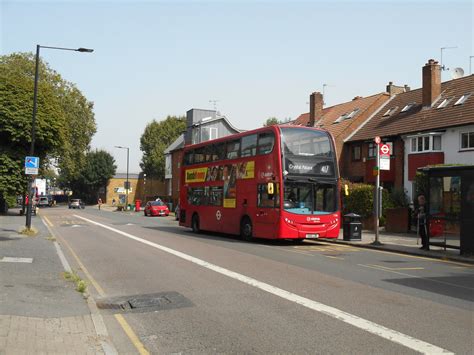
(64, 121)
(361, 200)
(421, 183)
(155, 139)
(98, 168)
(399, 198)
(273, 121)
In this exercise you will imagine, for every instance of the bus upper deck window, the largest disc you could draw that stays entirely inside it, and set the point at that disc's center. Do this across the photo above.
(233, 149)
(265, 142)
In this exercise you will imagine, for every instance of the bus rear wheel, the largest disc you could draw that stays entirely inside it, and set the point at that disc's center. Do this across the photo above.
(195, 223)
(246, 229)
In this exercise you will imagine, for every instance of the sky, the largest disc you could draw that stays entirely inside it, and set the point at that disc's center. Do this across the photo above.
(258, 59)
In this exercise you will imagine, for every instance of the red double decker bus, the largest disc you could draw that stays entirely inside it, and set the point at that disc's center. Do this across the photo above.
(277, 182)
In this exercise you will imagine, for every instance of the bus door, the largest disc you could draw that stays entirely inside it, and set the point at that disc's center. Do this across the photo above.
(267, 211)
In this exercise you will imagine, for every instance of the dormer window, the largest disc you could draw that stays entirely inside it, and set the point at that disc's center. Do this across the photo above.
(407, 107)
(347, 115)
(462, 99)
(390, 111)
(444, 102)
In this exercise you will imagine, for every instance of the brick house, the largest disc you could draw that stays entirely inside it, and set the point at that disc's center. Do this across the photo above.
(430, 125)
(342, 119)
(201, 125)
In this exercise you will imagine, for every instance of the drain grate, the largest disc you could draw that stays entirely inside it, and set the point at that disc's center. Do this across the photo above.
(144, 303)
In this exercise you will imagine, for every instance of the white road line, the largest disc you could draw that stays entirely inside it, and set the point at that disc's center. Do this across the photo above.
(11, 259)
(361, 323)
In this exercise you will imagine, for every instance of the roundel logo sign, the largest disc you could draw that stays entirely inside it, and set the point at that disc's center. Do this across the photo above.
(384, 149)
(218, 215)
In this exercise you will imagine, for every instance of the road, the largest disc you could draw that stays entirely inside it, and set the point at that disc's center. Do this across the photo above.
(208, 293)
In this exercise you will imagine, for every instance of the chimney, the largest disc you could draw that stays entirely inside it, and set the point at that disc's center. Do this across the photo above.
(395, 89)
(431, 82)
(315, 108)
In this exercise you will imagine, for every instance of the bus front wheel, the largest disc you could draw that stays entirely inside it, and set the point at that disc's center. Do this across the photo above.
(246, 229)
(195, 223)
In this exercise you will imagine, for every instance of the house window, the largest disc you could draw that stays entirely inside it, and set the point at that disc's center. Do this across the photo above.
(356, 152)
(390, 111)
(445, 102)
(462, 99)
(407, 107)
(467, 140)
(208, 133)
(426, 143)
(372, 152)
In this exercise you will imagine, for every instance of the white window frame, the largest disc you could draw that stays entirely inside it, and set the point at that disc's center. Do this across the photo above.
(468, 143)
(422, 137)
(168, 170)
(462, 99)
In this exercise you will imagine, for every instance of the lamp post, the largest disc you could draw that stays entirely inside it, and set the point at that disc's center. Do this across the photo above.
(127, 183)
(33, 120)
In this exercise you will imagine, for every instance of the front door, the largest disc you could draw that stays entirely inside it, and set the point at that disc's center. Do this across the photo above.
(267, 212)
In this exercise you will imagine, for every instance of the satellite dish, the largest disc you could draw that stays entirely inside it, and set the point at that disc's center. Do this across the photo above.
(457, 73)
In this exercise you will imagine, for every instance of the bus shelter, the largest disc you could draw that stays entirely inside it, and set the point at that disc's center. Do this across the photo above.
(450, 207)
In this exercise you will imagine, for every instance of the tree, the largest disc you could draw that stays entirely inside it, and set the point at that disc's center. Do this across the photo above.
(271, 121)
(98, 168)
(155, 139)
(64, 121)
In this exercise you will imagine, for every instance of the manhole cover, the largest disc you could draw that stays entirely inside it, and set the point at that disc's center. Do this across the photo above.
(144, 303)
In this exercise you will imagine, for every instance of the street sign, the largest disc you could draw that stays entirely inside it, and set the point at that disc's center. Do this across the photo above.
(31, 165)
(384, 163)
(377, 140)
(384, 150)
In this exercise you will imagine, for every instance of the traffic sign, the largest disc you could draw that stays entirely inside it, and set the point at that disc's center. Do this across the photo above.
(384, 150)
(32, 162)
(384, 163)
(377, 140)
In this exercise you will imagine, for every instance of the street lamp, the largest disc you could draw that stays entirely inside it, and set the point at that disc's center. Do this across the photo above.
(127, 183)
(33, 121)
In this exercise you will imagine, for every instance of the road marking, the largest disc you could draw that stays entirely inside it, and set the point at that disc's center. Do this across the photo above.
(401, 254)
(361, 323)
(399, 268)
(131, 334)
(94, 283)
(11, 259)
(378, 267)
(334, 257)
(48, 222)
(123, 323)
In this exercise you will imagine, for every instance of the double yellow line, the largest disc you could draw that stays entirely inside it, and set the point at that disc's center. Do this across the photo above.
(120, 319)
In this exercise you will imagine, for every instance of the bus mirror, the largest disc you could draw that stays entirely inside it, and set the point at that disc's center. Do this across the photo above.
(346, 189)
(270, 188)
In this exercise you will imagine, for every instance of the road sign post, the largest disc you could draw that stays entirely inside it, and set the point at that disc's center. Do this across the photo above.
(377, 208)
(31, 168)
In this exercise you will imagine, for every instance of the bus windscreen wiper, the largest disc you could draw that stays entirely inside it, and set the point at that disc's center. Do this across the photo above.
(312, 180)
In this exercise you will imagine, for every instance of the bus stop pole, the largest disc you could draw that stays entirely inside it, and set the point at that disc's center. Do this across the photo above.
(377, 197)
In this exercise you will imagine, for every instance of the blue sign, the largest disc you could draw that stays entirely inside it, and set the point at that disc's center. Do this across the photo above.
(32, 162)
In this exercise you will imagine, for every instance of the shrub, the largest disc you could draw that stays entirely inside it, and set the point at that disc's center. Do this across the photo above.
(399, 198)
(361, 200)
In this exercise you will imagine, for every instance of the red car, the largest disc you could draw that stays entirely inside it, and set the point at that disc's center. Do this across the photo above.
(156, 208)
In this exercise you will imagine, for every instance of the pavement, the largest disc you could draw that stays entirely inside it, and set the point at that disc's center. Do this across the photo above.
(40, 311)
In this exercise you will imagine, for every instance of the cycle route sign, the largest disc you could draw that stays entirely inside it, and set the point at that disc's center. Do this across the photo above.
(31, 165)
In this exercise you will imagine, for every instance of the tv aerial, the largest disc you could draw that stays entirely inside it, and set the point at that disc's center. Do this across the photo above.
(457, 73)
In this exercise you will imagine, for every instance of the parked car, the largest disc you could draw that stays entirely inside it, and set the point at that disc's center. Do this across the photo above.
(43, 201)
(76, 203)
(156, 208)
(176, 212)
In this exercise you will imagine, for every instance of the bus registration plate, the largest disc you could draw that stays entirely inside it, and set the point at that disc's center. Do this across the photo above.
(312, 236)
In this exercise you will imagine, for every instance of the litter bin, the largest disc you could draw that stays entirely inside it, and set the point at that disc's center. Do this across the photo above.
(137, 205)
(352, 227)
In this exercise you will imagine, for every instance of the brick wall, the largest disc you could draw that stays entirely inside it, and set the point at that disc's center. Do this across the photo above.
(176, 161)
